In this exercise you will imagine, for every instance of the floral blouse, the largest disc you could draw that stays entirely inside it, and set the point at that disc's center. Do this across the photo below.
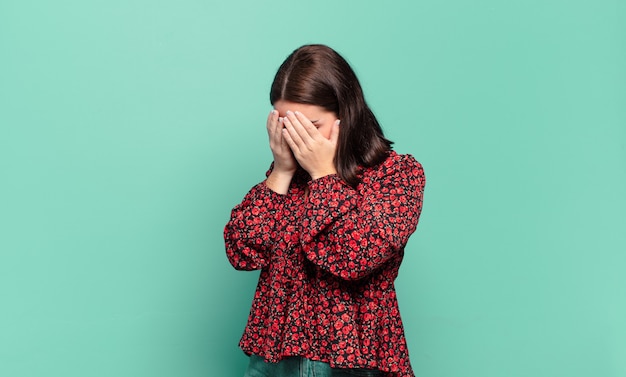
(329, 255)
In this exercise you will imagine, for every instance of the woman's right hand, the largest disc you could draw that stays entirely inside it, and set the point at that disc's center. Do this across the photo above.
(284, 161)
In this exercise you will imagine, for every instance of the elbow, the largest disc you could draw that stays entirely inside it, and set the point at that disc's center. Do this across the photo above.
(245, 258)
(348, 270)
(354, 275)
(244, 264)
(346, 265)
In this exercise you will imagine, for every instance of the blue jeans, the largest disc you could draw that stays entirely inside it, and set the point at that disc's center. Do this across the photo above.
(301, 367)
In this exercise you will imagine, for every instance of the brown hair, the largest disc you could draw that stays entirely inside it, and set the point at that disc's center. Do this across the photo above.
(318, 75)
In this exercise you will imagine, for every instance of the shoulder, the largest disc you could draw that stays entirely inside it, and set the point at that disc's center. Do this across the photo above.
(393, 164)
(396, 170)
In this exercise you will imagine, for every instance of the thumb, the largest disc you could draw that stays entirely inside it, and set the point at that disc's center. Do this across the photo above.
(334, 132)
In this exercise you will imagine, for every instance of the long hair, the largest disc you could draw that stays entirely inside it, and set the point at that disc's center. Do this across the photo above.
(318, 75)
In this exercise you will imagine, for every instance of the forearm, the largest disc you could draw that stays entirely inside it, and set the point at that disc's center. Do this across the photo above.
(250, 232)
(350, 233)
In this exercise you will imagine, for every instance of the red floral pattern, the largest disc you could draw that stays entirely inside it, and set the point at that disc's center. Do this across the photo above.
(328, 263)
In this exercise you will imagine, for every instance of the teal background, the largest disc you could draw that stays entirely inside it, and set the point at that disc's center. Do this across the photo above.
(129, 129)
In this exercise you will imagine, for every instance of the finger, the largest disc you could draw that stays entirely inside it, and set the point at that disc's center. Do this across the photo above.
(307, 125)
(283, 141)
(272, 119)
(278, 127)
(280, 135)
(334, 132)
(290, 142)
(299, 127)
(294, 135)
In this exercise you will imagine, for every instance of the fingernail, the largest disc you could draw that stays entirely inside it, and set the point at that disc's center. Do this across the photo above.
(273, 112)
(288, 111)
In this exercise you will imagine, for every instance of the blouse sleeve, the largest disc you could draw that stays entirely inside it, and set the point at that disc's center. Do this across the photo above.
(249, 232)
(350, 233)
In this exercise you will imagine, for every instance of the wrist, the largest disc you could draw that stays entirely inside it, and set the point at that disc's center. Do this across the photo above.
(283, 171)
(279, 181)
(323, 173)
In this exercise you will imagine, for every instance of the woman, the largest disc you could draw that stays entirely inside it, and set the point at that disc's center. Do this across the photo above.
(327, 228)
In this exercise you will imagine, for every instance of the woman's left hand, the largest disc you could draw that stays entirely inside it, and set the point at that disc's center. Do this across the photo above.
(312, 150)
